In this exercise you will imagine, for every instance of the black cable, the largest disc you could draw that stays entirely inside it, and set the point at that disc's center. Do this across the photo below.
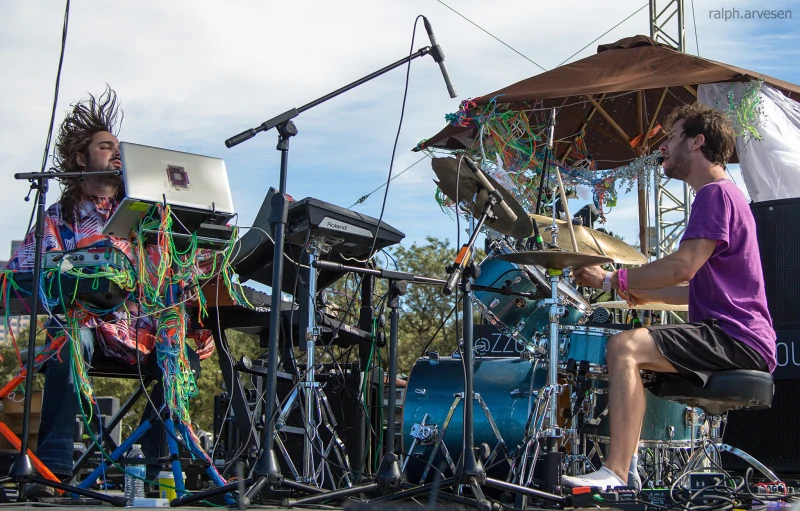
(493, 36)
(58, 85)
(52, 113)
(604, 33)
(694, 22)
(396, 139)
(441, 325)
(363, 198)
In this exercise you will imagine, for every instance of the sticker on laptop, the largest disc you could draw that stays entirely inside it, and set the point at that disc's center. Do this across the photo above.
(178, 177)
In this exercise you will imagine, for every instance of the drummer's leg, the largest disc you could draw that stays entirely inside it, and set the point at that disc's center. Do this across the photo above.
(628, 353)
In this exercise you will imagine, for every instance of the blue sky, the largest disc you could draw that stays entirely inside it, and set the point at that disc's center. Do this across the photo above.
(190, 74)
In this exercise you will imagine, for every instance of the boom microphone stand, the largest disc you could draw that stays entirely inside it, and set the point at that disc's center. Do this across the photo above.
(266, 471)
(22, 471)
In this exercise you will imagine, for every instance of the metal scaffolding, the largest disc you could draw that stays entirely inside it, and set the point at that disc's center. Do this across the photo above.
(671, 209)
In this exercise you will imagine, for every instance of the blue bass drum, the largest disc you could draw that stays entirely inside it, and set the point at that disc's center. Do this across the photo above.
(433, 416)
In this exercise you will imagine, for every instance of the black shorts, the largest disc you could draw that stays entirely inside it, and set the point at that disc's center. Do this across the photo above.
(698, 349)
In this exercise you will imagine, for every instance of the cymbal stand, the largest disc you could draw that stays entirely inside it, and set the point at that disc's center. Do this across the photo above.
(389, 477)
(547, 403)
(22, 471)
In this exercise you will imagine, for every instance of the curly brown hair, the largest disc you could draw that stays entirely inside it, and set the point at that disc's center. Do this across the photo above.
(715, 127)
(88, 117)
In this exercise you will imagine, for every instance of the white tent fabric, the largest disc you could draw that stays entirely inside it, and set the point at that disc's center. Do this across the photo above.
(771, 166)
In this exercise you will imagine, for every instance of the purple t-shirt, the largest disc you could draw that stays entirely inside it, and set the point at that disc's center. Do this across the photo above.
(729, 287)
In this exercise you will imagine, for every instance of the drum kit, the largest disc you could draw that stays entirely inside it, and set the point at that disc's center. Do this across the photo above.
(542, 414)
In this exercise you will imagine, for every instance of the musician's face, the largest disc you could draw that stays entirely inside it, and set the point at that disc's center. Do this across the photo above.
(102, 153)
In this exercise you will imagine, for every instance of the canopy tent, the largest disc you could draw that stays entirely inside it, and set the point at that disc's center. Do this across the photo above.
(610, 105)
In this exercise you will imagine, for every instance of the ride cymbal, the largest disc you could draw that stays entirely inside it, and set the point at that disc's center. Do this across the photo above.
(589, 241)
(557, 259)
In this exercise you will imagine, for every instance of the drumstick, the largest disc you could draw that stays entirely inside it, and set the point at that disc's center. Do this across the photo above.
(566, 211)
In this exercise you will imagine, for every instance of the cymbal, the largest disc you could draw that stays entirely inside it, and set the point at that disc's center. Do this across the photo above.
(555, 259)
(590, 241)
(652, 306)
(447, 171)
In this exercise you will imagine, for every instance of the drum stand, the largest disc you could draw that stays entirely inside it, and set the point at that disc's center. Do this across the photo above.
(314, 398)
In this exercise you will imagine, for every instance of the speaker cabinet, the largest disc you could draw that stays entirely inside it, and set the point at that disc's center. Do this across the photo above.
(779, 244)
(768, 435)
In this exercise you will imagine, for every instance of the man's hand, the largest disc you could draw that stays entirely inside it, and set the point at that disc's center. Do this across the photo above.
(590, 276)
(634, 297)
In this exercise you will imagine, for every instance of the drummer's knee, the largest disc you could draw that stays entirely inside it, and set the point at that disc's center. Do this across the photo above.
(620, 347)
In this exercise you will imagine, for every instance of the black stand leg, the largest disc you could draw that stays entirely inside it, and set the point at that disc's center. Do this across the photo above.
(267, 470)
(22, 471)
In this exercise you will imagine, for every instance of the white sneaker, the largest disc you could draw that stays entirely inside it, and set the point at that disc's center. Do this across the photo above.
(601, 479)
(634, 481)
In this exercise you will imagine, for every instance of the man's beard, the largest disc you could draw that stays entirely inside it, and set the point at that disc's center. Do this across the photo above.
(678, 167)
(112, 181)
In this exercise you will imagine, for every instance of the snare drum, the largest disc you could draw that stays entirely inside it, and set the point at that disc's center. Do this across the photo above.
(518, 317)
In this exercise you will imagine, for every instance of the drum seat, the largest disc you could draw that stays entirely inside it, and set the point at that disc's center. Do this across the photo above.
(738, 389)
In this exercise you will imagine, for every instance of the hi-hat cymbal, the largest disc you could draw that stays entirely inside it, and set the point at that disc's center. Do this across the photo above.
(447, 170)
(589, 241)
(652, 306)
(555, 259)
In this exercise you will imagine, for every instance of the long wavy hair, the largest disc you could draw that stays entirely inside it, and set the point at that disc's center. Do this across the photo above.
(88, 116)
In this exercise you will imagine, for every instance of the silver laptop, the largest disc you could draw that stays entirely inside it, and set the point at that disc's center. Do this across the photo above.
(195, 187)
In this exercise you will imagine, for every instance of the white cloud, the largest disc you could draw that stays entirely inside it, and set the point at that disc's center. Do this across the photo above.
(192, 73)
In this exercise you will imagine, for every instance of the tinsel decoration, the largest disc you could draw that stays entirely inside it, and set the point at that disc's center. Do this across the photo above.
(509, 147)
(746, 113)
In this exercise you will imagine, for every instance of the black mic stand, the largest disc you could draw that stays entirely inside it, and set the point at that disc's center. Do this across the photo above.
(22, 471)
(266, 471)
(470, 471)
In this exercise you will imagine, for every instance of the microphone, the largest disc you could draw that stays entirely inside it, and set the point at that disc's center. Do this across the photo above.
(438, 56)
(660, 159)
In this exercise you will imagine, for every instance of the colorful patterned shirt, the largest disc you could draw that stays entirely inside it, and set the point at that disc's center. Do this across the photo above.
(117, 335)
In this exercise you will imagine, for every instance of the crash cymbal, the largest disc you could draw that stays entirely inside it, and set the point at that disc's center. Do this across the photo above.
(555, 259)
(589, 241)
(652, 306)
(447, 171)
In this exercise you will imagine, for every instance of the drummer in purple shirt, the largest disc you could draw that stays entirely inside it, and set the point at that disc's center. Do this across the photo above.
(729, 324)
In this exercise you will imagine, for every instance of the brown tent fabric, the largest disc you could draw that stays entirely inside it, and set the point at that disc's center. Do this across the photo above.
(632, 74)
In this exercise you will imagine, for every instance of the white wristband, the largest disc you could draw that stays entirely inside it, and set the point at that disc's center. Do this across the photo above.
(607, 282)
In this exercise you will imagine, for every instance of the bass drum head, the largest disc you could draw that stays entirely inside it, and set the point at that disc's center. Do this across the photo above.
(504, 384)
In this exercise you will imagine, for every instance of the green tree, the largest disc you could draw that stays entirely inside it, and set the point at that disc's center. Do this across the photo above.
(424, 308)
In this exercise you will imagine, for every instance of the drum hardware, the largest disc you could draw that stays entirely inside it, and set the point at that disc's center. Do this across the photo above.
(469, 470)
(425, 434)
(389, 477)
(594, 242)
(522, 322)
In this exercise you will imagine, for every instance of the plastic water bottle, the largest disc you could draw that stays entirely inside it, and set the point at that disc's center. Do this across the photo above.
(135, 472)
